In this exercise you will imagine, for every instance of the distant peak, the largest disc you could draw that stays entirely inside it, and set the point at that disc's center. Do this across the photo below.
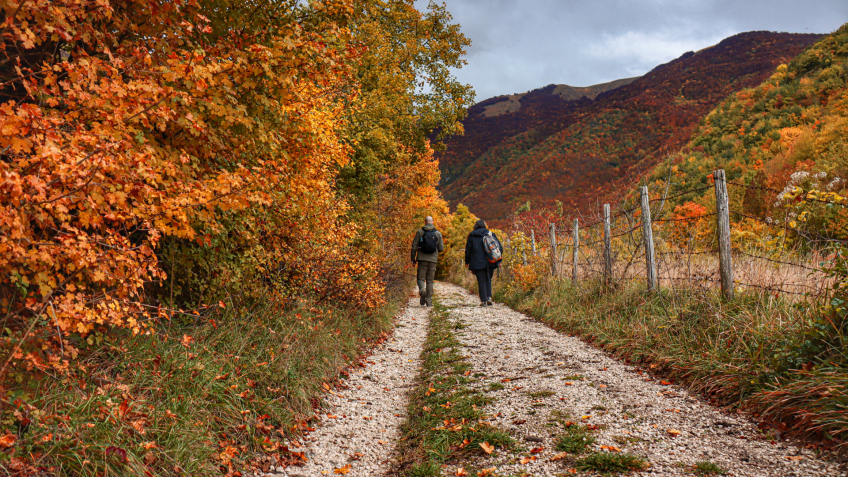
(511, 103)
(576, 92)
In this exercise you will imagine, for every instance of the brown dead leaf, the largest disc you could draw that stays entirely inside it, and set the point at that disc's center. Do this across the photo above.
(460, 472)
(673, 432)
(490, 472)
(343, 471)
(795, 457)
(487, 448)
(536, 450)
(525, 460)
(357, 456)
(8, 440)
(611, 448)
(560, 456)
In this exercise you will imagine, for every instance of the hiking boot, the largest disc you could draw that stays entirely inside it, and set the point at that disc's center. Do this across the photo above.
(490, 303)
(483, 303)
(422, 301)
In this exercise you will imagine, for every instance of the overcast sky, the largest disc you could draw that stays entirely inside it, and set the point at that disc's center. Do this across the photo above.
(520, 45)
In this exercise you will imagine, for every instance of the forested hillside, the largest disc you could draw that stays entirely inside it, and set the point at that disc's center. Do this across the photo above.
(788, 138)
(574, 152)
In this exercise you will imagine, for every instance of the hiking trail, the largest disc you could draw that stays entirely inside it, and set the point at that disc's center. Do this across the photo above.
(545, 385)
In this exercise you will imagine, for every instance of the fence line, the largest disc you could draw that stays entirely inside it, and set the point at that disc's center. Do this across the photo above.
(636, 256)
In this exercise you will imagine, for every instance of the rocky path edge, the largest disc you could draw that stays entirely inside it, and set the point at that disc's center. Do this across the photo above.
(546, 384)
(359, 423)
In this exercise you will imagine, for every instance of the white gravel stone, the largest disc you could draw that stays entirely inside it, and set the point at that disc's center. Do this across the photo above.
(368, 414)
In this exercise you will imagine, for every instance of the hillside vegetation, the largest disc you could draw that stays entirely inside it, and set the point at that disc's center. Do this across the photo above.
(571, 151)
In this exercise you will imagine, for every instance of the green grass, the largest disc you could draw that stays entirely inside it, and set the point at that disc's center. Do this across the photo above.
(610, 463)
(496, 387)
(707, 468)
(426, 441)
(575, 439)
(541, 394)
(167, 404)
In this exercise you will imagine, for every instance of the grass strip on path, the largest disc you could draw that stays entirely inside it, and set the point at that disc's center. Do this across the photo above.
(446, 420)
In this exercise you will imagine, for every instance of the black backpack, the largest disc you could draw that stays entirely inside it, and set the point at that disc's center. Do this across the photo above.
(429, 242)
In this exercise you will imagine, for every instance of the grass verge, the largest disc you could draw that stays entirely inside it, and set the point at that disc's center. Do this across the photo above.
(202, 398)
(445, 413)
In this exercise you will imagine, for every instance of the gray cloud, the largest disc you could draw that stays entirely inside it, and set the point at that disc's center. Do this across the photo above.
(521, 45)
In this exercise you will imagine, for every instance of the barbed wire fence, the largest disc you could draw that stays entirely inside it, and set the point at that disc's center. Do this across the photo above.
(621, 246)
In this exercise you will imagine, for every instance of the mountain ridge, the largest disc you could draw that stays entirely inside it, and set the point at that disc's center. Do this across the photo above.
(551, 149)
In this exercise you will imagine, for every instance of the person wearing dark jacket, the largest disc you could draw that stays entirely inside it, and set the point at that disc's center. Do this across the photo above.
(475, 260)
(426, 260)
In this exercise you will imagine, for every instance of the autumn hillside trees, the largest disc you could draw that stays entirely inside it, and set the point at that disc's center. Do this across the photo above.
(163, 156)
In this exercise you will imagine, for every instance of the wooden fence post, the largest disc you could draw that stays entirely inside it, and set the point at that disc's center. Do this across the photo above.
(723, 228)
(552, 233)
(576, 239)
(523, 253)
(533, 239)
(648, 237)
(607, 249)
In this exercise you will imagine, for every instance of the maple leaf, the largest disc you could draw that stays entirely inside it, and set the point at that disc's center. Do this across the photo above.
(343, 470)
(487, 448)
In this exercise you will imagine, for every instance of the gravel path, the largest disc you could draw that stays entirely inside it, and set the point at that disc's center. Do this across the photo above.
(549, 378)
(361, 425)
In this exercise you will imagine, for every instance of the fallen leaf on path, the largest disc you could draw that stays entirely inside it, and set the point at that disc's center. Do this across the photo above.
(560, 456)
(357, 456)
(665, 383)
(460, 472)
(343, 471)
(673, 432)
(587, 416)
(487, 472)
(592, 427)
(537, 450)
(795, 457)
(525, 460)
(569, 384)
(487, 448)
(611, 448)
(602, 385)
(505, 380)
(572, 471)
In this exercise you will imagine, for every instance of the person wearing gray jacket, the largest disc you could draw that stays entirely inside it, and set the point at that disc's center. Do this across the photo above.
(425, 252)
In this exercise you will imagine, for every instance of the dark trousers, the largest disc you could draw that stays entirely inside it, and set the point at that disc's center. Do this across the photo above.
(426, 276)
(484, 282)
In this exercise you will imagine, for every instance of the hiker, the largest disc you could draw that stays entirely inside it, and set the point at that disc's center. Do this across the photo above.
(425, 252)
(482, 256)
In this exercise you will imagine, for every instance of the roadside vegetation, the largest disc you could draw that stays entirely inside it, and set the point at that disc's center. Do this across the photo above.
(205, 214)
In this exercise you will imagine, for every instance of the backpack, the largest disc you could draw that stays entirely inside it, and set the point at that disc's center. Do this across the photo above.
(492, 249)
(429, 242)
